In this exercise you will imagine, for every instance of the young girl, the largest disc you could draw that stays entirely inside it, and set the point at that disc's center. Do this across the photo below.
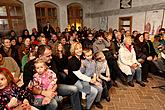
(103, 71)
(44, 79)
(11, 96)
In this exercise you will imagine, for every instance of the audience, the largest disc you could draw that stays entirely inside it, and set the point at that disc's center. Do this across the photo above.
(71, 72)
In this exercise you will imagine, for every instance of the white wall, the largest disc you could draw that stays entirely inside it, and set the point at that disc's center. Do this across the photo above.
(138, 20)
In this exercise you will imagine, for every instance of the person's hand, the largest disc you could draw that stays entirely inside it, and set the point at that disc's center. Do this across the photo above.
(25, 101)
(46, 100)
(23, 107)
(115, 56)
(98, 84)
(108, 79)
(66, 71)
(93, 81)
(13, 102)
(48, 93)
(149, 58)
(134, 65)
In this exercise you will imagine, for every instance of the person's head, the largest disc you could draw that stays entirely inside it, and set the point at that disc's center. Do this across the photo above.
(27, 41)
(19, 39)
(99, 56)
(127, 33)
(118, 35)
(128, 41)
(59, 49)
(34, 30)
(13, 41)
(32, 38)
(40, 66)
(162, 31)
(122, 31)
(63, 40)
(99, 37)
(90, 36)
(6, 42)
(76, 49)
(12, 33)
(109, 37)
(44, 53)
(134, 33)
(48, 23)
(1, 57)
(139, 37)
(26, 32)
(43, 41)
(146, 35)
(6, 78)
(157, 38)
(54, 37)
(87, 53)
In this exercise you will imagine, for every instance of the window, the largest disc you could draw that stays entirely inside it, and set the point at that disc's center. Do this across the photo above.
(46, 11)
(75, 15)
(11, 16)
(126, 23)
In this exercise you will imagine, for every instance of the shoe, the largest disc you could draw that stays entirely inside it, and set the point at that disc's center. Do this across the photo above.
(131, 84)
(141, 83)
(145, 80)
(114, 84)
(98, 105)
(108, 99)
(125, 83)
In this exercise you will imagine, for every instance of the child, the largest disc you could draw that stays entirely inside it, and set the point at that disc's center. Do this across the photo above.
(44, 79)
(11, 96)
(104, 73)
(88, 68)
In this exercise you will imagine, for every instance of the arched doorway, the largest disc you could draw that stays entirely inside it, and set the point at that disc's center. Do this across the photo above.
(75, 15)
(11, 16)
(46, 12)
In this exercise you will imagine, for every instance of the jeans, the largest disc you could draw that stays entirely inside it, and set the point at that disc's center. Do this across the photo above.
(72, 91)
(136, 72)
(51, 106)
(100, 90)
(90, 97)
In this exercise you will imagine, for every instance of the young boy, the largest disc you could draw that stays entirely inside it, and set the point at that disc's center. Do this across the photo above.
(88, 67)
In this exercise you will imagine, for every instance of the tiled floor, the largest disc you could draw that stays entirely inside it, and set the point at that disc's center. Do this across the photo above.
(137, 98)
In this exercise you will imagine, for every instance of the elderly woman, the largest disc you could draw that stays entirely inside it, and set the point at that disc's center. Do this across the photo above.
(128, 63)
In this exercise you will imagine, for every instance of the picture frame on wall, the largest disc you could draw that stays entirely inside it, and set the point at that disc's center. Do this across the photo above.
(103, 21)
(124, 4)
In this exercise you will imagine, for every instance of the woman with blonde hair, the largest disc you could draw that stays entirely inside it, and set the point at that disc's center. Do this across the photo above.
(74, 75)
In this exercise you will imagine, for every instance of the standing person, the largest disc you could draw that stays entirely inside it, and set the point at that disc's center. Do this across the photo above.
(103, 72)
(44, 53)
(74, 75)
(44, 79)
(128, 63)
(48, 30)
(11, 96)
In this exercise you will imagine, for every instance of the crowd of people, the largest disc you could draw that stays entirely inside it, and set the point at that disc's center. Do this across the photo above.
(81, 64)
